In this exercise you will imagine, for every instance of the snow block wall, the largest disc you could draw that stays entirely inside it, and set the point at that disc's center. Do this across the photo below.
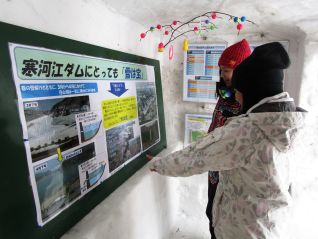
(148, 205)
(191, 221)
(141, 208)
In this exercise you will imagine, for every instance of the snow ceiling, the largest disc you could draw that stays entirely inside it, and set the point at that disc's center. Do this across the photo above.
(287, 17)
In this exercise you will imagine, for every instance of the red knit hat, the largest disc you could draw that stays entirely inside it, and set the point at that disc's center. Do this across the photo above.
(235, 54)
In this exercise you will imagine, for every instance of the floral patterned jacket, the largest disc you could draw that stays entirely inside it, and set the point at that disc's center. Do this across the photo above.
(252, 153)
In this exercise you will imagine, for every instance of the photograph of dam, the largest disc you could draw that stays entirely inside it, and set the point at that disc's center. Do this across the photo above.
(58, 182)
(51, 124)
(147, 102)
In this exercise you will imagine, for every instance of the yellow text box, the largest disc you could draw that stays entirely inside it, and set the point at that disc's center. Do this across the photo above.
(118, 111)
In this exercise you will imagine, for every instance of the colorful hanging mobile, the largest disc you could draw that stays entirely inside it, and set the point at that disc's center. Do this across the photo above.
(199, 24)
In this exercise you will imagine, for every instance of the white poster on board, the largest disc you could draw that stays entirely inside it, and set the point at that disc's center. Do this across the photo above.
(201, 72)
(196, 125)
(83, 119)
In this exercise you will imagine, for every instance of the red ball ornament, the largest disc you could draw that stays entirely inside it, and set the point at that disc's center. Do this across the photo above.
(239, 26)
(166, 32)
(143, 35)
(174, 22)
(160, 45)
(195, 29)
(213, 16)
(158, 26)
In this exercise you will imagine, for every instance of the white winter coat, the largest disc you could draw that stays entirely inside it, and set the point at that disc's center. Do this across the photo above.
(252, 154)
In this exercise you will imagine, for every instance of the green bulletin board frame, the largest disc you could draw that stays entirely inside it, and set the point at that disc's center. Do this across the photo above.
(17, 207)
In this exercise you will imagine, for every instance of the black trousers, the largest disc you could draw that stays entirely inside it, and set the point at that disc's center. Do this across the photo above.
(211, 194)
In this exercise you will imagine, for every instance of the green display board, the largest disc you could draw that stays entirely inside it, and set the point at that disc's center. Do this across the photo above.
(76, 122)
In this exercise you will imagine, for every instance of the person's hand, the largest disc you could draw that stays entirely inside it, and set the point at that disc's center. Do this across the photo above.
(149, 157)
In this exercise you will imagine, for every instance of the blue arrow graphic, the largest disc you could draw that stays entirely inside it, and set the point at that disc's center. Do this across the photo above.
(117, 88)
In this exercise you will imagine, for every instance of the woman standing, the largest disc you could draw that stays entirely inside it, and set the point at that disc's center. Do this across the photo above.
(252, 152)
(226, 107)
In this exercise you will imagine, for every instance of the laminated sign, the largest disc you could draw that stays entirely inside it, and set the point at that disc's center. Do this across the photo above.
(201, 72)
(83, 119)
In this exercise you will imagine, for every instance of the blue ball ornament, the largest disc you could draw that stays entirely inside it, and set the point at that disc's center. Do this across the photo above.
(243, 19)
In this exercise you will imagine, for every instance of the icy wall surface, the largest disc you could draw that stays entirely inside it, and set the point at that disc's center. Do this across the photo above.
(142, 207)
(148, 205)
